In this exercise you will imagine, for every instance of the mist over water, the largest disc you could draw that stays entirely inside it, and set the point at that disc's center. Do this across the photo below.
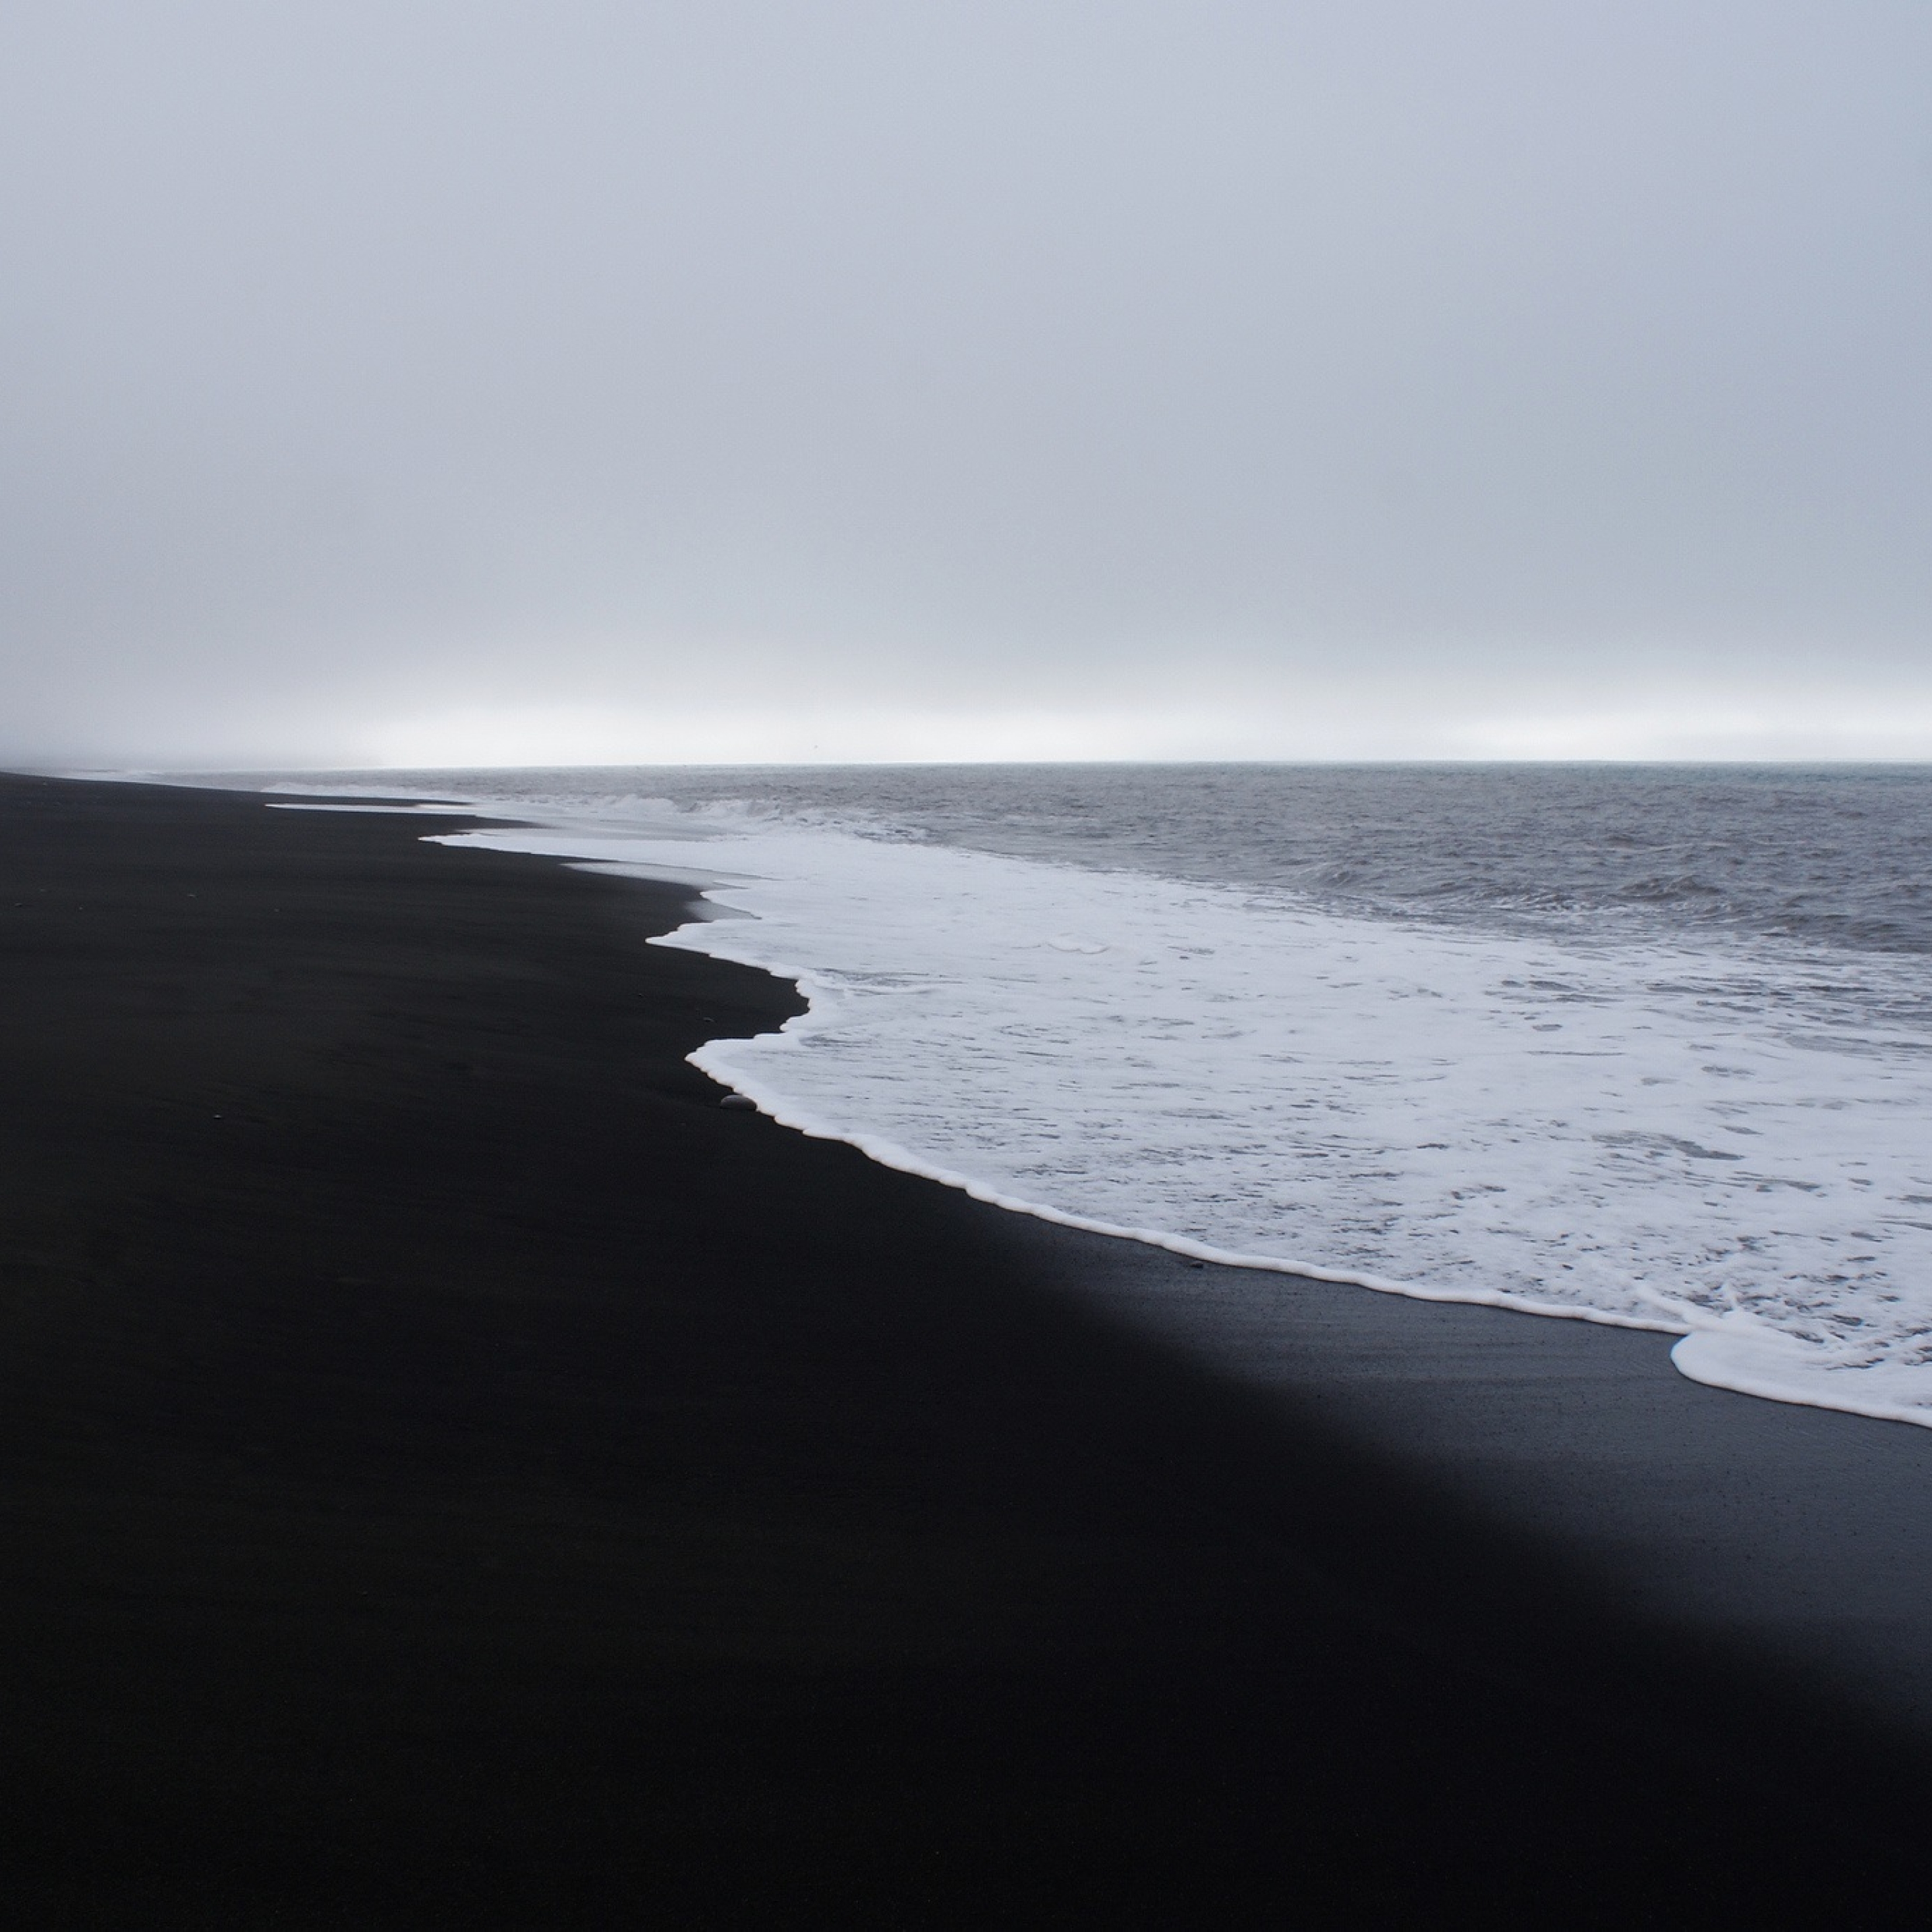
(1645, 1045)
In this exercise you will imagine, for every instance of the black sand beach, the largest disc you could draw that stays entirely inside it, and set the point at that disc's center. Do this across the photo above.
(456, 1474)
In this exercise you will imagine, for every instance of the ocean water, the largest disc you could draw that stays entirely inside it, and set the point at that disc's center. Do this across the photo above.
(1651, 1046)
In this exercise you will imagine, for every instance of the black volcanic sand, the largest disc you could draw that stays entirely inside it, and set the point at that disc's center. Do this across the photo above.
(457, 1474)
(1803, 1535)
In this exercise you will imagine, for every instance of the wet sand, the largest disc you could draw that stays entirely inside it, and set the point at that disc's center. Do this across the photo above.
(456, 1473)
(1801, 1538)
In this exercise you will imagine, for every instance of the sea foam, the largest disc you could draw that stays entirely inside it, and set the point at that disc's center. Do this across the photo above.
(1732, 1143)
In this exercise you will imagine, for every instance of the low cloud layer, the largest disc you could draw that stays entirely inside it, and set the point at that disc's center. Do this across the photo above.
(428, 380)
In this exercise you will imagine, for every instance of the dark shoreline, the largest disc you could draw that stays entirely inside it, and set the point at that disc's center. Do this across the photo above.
(457, 1474)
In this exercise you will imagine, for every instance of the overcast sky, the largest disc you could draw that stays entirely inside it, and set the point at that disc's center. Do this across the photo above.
(454, 380)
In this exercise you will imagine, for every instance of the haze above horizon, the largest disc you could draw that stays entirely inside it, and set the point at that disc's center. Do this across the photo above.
(440, 383)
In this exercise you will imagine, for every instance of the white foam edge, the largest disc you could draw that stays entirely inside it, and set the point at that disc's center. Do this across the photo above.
(1691, 1356)
(1709, 1352)
(820, 999)
(401, 811)
(889, 1153)
(1721, 1360)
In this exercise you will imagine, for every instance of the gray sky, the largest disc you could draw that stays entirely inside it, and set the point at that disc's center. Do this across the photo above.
(456, 379)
